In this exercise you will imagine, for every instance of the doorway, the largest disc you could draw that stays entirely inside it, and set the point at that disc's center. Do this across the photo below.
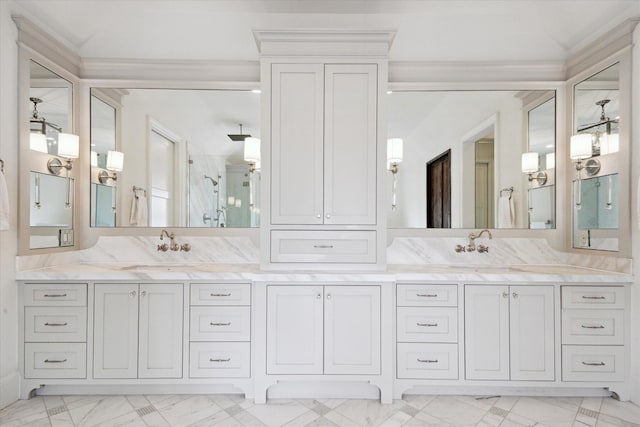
(484, 186)
(439, 191)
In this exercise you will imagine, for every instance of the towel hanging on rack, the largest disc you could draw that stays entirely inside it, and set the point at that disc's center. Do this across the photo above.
(139, 211)
(506, 212)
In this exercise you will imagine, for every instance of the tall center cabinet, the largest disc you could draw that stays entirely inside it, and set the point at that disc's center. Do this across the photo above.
(323, 148)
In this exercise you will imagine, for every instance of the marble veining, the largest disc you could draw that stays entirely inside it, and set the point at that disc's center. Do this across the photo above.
(233, 410)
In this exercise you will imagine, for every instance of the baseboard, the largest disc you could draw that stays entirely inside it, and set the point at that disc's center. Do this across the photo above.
(9, 389)
(323, 390)
(634, 393)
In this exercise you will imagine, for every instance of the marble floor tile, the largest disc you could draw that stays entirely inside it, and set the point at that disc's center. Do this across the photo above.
(368, 412)
(322, 422)
(622, 410)
(219, 418)
(107, 409)
(455, 411)
(396, 420)
(278, 412)
(340, 420)
(308, 418)
(61, 420)
(24, 411)
(418, 401)
(247, 420)
(506, 403)
(190, 410)
(549, 411)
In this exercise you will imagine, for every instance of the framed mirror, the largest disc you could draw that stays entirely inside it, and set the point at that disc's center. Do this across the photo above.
(594, 151)
(461, 163)
(187, 158)
(52, 148)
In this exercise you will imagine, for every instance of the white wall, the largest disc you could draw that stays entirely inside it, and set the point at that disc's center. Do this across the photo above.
(635, 219)
(9, 239)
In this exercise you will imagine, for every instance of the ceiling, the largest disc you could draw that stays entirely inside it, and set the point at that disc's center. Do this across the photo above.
(427, 30)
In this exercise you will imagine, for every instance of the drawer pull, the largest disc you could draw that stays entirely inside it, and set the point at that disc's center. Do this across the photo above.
(55, 324)
(592, 326)
(220, 360)
(427, 295)
(221, 295)
(323, 246)
(593, 363)
(429, 325)
(220, 324)
(54, 361)
(55, 295)
(427, 360)
(592, 297)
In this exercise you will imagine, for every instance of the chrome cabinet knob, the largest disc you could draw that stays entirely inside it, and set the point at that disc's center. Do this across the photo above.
(318, 216)
(143, 293)
(328, 296)
(328, 216)
(505, 294)
(132, 294)
(318, 295)
(515, 295)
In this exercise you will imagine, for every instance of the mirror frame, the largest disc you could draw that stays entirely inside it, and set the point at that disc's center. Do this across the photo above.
(623, 166)
(554, 236)
(35, 161)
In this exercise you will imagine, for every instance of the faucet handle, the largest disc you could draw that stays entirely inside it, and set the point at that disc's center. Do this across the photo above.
(483, 249)
(185, 247)
(163, 247)
(460, 248)
(174, 247)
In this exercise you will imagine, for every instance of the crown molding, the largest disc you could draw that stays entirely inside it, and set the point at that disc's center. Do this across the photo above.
(604, 46)
(462, 71)
(323, 42)
(167, 70)
(31, 36)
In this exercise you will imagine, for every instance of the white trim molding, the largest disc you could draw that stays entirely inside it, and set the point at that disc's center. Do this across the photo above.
(9, 389)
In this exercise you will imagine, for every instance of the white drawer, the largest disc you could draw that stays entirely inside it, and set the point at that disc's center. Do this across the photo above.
(220, 324)
(427, 295)
(429, 361)
(55, 360)
(592, 363)
(599, 327)
(592, 297)
(323, 246)
(220, 294)
(427, 324)
(55, 324)
(220, 360)
(50, 294)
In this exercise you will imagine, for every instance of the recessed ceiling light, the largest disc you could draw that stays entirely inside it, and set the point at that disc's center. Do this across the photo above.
(256, 91)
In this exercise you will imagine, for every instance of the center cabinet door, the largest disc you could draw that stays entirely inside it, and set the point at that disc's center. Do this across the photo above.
(294, 329)
(297, 143)
(352, 330)
(160, 345)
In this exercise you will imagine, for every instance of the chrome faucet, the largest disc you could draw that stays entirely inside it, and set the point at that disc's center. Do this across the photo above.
(472, 244)
(173, 245)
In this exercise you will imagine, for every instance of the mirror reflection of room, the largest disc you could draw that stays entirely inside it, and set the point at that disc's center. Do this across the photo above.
(462, 152)
(594, 150)
(191, 158)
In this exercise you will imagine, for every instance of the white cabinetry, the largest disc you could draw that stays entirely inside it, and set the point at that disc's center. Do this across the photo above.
(138, 331)
(509, 332)
(323, 330)
(323, 146)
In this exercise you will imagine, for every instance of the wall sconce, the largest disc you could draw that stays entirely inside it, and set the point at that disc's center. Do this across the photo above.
(69, 149)
(394, 157)
(115, 163)
(581, 149)
(531, 165)
(550, 161)
(94, 159)
(38, 129)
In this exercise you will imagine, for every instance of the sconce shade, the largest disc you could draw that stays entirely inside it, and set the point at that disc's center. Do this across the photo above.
(252, 150)
(581, 146)
(94, 159)
(609, 143)
(38, 142)
(550, 160)
(115, 161)
(529, 162)
(394, 150)
(68, 145)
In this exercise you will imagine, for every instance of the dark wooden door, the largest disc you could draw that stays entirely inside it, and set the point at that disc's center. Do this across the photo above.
(439, 191)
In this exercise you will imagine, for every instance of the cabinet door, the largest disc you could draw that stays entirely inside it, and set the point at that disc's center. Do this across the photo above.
(532, 333)
(352, 330)
(115, 338)
(296, 143)
(294, 329)
(486, 332)
(350, 139)
(160, 337)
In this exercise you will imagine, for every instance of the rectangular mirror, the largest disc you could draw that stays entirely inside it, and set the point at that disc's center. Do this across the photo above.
(594, 151)
(185, 157)
(460, 161)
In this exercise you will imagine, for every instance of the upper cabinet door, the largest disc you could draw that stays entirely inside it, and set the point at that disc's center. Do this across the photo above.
(297, 143)
(160, 331)
(350, 141)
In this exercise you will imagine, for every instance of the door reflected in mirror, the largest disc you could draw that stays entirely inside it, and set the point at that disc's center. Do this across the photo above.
(595, 207)
(184, 156)
(462, 157)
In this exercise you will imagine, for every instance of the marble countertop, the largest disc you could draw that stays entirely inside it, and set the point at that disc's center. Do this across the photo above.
(552, 273)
